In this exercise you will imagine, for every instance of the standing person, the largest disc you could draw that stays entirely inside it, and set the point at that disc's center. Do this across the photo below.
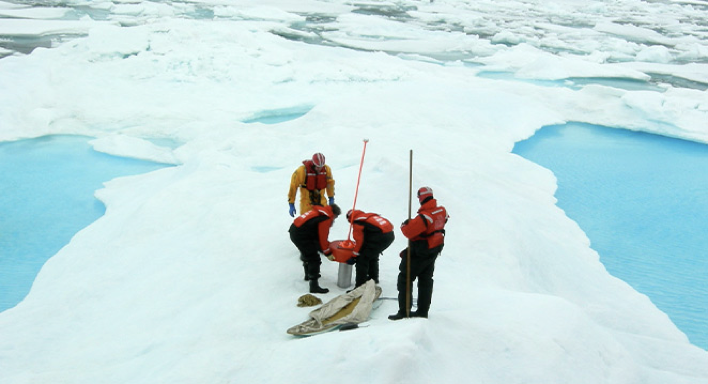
(313, 178)
(426, 235)
(372, 235)
(309, 233)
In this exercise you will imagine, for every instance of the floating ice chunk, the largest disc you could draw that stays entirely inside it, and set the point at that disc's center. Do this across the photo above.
(109, 39)
(507, 37)
(529, 62)
(655, 54)
(257, 13)
(33, 13)
(636, 34)
(24, 27)
(127, 146)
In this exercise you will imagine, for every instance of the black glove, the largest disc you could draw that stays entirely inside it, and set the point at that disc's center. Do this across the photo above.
(351, 261)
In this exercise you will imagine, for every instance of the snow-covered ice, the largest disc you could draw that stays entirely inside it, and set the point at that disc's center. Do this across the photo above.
(190, 276)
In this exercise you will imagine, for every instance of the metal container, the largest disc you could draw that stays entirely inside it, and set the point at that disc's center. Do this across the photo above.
(344, 278)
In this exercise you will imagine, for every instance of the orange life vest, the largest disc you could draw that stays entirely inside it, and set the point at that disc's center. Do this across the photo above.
(323, 225)
(374, 219)
(435, 231)
(314, 180)
(429, 225)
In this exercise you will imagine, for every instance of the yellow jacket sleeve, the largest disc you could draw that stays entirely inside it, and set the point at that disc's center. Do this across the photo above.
(330, 181)
(296, 181)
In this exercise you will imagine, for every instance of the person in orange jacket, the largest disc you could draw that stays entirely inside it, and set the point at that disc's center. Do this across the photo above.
(312, 178)
(426, 235)
(372, 234)
(309, 232)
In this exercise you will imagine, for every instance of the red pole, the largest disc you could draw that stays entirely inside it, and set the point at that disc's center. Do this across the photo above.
(356, 192)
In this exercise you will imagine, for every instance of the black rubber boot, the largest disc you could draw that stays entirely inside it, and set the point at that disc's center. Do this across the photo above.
(398, 316)
(419, 313)
(304, 266)
(315, 287)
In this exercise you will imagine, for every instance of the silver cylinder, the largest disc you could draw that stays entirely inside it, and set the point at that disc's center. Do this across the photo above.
(344, 278)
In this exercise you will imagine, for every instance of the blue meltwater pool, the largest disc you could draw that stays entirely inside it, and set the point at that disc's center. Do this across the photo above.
(642, 199)
(47, 190)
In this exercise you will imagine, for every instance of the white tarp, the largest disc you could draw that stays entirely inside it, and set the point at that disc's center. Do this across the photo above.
(353, 307)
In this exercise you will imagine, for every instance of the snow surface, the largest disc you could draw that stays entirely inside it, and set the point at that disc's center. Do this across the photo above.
(190, 276)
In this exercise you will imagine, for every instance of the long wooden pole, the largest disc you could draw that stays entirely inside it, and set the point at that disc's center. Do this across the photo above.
(408, 253)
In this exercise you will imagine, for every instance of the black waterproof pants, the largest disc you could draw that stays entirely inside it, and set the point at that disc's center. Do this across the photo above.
(309, 252)
(422, 269)
(367, 263)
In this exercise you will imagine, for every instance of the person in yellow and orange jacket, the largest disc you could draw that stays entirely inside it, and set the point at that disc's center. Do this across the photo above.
(309, 232)
(312, 178)
(372, 234)
(426, 235)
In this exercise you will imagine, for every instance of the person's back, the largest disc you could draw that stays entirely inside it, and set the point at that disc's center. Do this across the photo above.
(428, 225)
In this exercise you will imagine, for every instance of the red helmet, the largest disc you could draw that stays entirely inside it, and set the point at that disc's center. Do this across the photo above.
(424, 192)
(318, 160)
